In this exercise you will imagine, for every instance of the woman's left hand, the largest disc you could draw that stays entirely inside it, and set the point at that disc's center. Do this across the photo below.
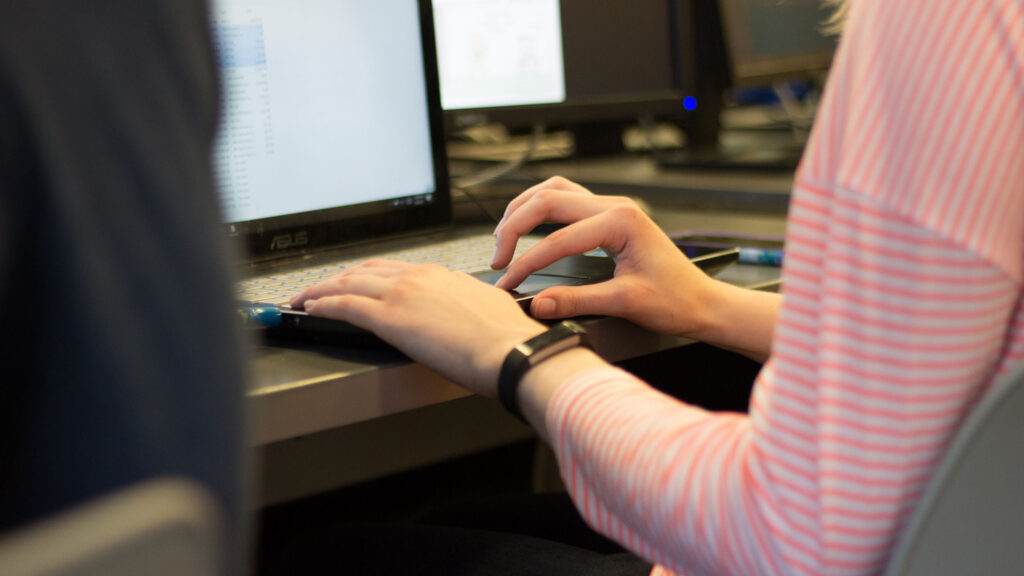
(453, 323)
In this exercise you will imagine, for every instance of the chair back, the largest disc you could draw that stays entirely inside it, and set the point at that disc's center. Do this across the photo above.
(970, 519)
(164, 527)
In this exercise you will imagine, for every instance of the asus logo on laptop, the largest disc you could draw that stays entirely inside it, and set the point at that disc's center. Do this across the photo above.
(290, 240)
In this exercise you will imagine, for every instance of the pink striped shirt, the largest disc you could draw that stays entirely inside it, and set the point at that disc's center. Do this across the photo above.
(903, 283)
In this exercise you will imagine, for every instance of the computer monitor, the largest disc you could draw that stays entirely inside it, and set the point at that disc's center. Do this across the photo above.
(742, 44)
(773, 40)
(591, 67)
(321, 100)
(496, 53)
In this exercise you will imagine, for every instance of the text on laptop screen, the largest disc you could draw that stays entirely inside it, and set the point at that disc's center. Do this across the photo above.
(499, 52)
(324, 105)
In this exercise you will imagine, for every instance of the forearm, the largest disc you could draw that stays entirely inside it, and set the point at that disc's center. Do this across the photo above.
(738, 319)
(641, 466)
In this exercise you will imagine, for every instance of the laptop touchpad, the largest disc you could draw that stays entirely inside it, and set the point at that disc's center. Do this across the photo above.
(569, 271)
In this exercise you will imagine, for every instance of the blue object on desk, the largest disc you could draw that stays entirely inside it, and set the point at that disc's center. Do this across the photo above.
(260, 316)
(763, 256)
(285, 324)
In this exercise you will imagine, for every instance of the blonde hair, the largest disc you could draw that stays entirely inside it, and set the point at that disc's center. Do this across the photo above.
(834, 24)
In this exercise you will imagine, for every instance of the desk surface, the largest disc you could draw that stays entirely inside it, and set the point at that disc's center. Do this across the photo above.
(640, 176)
(304, 389)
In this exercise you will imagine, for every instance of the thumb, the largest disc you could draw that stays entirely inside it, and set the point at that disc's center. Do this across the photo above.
(566, 301)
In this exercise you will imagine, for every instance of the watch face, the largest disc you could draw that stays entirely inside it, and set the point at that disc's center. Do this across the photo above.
(549, 349)
(560, 337)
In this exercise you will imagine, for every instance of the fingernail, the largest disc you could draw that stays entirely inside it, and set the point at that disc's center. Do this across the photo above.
(308, 304)
(544, 307)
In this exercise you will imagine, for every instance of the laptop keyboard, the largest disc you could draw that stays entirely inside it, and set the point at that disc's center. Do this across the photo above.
(468, 254)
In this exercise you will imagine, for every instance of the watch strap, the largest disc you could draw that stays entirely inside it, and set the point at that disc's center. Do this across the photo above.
(563, 336)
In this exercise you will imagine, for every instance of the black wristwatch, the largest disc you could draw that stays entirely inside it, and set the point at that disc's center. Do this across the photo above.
(557, 339)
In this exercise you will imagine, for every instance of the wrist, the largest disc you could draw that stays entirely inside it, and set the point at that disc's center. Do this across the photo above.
(710, 318)
(490, 357)
(529, 354)
(736, 318)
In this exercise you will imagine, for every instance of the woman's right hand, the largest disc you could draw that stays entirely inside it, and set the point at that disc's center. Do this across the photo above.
(655, 285)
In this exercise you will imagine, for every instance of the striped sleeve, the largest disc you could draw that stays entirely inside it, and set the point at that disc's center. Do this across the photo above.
(902, 303)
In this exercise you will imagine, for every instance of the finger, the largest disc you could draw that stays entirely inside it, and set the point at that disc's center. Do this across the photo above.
(576, 238)
(605, 298)
(550, 198)
(359, 310)
(553, 183)
(366, 285)
(376, 267)
(545, 206)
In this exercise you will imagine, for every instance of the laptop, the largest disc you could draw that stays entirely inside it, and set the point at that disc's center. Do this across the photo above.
(331, 151)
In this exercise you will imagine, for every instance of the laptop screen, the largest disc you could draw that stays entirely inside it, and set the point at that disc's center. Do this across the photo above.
(329, 122)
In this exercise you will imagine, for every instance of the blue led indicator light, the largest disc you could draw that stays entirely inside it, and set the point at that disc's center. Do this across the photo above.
(690, 103)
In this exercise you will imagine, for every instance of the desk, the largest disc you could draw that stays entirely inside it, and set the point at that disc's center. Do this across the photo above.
(319, 409)
(375, 407)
